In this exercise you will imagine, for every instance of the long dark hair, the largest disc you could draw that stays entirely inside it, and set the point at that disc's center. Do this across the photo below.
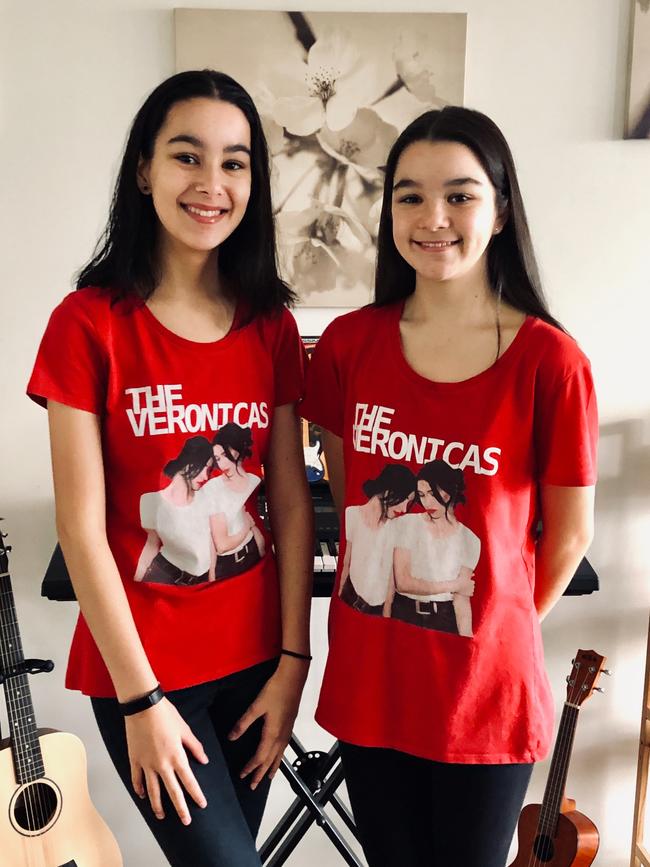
(440, 476)
(512, 267)
(125, 257)
(394, 484)
(192, 459)
(233, 438)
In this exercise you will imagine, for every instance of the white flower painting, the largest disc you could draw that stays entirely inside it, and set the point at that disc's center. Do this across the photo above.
(638, 110)
(333, 90)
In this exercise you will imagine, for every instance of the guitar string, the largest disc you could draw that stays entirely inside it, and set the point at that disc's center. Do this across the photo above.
(4, 643)
(567, 740)
(546, 838)
(16, 735)
(10, 706)
(564, 746)
(38, 808)
(35, 807)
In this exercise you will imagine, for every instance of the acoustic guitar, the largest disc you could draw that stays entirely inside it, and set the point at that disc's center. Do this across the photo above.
(46, 816)
(554, 833)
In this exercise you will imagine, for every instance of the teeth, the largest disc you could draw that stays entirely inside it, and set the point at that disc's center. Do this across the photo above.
(435, 244)
(201, 213)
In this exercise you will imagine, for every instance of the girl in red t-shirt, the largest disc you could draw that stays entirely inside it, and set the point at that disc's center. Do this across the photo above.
(194, 657)
(458, 374)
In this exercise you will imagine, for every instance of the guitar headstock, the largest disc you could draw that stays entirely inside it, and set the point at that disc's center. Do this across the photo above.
(4, 553)
(585, 673)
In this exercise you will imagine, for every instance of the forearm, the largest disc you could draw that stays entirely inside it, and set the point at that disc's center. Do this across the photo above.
(222, 539)
(568, 528)
(406, 582)
(149, 551)
(105, 608)
(557, 556)
(293, 535)
(410, 584)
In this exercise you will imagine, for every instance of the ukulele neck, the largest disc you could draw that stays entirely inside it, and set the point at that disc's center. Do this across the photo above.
(556, 783)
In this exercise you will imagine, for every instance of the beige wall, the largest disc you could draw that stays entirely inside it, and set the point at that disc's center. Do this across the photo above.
(553, 76)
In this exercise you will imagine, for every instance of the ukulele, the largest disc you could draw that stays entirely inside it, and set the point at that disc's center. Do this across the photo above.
(554, 833)
(46, 816)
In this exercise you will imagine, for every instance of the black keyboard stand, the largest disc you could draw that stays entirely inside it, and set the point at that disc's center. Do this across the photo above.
(314, 778)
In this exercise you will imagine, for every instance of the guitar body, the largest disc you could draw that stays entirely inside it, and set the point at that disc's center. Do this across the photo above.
(575, 844)
(55, 825)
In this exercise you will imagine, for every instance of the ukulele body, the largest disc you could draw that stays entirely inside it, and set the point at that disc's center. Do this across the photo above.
(574, 845)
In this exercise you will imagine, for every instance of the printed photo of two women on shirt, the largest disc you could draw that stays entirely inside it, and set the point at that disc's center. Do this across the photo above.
(407, 555)
(198, 528)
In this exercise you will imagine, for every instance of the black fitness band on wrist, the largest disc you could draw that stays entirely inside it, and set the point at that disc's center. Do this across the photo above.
(146, 701)
(293, 653)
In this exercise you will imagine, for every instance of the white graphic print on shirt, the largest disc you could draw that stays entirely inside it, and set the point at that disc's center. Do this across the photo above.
(198, 527)
(372, 434)
(414, 566)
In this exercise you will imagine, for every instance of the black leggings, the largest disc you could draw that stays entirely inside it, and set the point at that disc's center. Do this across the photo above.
(411, 812)
(222, 834)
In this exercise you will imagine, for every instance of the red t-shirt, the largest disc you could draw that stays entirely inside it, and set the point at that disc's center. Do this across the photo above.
(441, 486)
(181, 514)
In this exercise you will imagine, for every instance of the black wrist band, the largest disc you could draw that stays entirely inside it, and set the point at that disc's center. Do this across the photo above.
(293, 653)
(146, 701)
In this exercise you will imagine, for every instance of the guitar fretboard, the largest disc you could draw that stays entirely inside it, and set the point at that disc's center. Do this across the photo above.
(26, 748)
(558, 772)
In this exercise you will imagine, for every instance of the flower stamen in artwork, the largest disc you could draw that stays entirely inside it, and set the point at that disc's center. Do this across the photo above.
(349, 149)
(322, 83)
(326, 229)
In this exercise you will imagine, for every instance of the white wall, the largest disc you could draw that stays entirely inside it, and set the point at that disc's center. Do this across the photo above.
(553, 76)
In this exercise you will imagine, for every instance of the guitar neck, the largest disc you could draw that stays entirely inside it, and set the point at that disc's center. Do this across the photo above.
(559, 770)
(25, 746)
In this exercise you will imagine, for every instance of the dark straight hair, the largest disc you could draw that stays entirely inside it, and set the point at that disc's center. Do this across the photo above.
(511, 264)
(125, 257)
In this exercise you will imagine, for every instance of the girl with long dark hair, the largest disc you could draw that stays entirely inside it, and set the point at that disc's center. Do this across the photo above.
(238, 541)
(179, 326)
(178, 549)
(435, 556)
(457, 361)
(368, 558)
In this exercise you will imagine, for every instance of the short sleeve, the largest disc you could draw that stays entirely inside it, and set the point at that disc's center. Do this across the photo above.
(323, 401)
(351, 515)
(471, 548)
(71, 366)
(406, 531)
(566, 428)
(288, 356)
(209, 493)
(148, 511)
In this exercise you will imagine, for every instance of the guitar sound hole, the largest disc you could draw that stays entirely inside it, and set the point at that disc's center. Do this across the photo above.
(35, 806)
(543, 848)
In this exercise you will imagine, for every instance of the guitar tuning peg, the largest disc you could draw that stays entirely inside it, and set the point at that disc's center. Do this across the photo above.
(599, 689)
(607, 672)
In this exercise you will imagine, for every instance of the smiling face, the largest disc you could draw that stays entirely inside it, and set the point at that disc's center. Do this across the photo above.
(444, 212)
(430, 504)
(200, 173)
(223, 462)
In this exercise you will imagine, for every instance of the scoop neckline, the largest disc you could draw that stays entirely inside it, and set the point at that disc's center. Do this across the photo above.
(498, 366)
(199, 345)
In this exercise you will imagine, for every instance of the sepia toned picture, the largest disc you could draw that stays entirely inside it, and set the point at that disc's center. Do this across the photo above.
(334, 90)
(638, 116)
